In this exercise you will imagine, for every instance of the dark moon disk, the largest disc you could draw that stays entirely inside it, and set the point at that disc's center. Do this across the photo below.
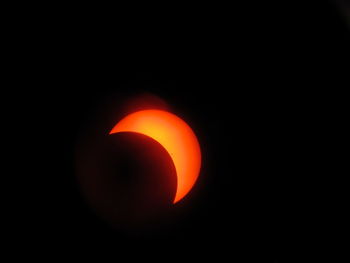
(128, 179)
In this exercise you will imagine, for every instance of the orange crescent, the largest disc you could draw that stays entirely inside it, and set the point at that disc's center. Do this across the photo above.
(175, 136)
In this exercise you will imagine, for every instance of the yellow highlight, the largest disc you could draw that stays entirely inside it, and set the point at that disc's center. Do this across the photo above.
(175, 136)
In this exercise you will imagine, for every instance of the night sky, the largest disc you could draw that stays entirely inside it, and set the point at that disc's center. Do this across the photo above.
(250, 79)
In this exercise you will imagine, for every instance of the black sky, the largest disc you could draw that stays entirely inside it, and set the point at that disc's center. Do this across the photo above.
(254, 81)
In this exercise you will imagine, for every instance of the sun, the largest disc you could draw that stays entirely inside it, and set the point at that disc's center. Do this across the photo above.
(175, 136)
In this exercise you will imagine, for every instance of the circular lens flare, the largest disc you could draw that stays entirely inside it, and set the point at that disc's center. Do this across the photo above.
(175, 136)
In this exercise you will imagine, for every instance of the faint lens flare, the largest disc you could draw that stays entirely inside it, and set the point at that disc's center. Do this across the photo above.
(344, 9)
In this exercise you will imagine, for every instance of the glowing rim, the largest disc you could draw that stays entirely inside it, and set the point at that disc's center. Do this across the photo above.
(175, 136)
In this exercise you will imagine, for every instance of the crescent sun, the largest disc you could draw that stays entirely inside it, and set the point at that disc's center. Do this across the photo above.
(175, 136)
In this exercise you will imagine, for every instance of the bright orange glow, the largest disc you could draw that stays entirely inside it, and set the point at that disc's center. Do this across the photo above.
(175, 136)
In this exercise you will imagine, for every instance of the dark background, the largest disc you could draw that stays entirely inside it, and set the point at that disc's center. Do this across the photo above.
(253, 80)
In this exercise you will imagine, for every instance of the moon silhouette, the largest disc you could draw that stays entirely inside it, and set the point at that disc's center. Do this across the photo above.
(175, 136)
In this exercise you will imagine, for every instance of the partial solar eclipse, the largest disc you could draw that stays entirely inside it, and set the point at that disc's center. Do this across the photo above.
(177, 138)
